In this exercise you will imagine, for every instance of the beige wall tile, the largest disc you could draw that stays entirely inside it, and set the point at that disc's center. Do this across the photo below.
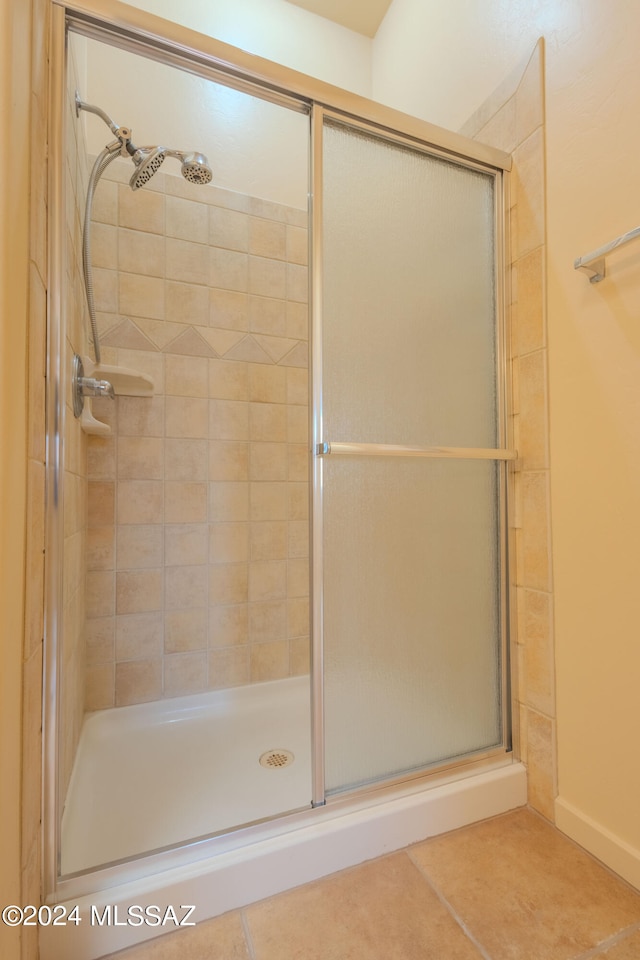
(269, 661)
(185, 630)
(100, 640)
(186, 459)
(267, 278)
(297, 320)
(228, 309)
(268, 501)
(268, 461)
(186, 587)
(267, 238)
(100, 549)
(297, 283)
(298, 462)
(228, 270)
(140, 416)
(267, 315)
(228, 229)
(267, 384)
(298, 538)
(100, 686)
(187, 417)
(528, 161)
(297, 386)
(297, 245)
(267, 580)
(227, 380)
(140, 501)
(530, 327)
(268, 421)
(187, 262)
(104, 246)
(299, 657)
(138, 681)
(228, 667)
(298, 617)
(105, 290)
(228, 420)
(186, 302)
(105, 203)
(541, 763)
(228, 583)
(186, 543)
(139, 296)
(139, 210)
(140, 458)
(187, 220)
(298, 501)
(533, 429)
(268, 540)
(228, 460)
(101, 504)
(100, 586)
(228, 625)
(298, 578)
(185, 673)
(536, 564)
(138, 591)
(185, 502)
(101, 457)
(141, 253)
(267, 620)
(228, 542)
(297, 424)
(139, 545)
(228, 502)
(138, 636)
(186, 376)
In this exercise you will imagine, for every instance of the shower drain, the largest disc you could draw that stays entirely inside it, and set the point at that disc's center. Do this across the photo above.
(276, 759)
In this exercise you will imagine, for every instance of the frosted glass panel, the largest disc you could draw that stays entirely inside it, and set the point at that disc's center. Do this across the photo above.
(412, 582)
(408, 296)
(411, 614)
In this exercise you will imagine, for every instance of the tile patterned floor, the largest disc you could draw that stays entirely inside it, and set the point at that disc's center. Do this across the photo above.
(511, 888)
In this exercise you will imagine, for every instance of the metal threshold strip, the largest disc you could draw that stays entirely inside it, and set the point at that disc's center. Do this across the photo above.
(397, 450)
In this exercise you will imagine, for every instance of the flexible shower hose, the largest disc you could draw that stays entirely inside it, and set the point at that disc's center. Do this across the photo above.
(107, 156)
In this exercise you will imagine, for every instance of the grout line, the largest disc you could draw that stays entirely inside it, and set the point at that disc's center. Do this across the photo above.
(454, 914)
(611, 941)
(247, 934)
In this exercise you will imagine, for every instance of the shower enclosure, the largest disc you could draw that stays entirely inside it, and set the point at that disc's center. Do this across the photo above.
(278, 579)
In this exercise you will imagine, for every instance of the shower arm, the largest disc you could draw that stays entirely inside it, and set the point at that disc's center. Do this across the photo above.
(122, 133)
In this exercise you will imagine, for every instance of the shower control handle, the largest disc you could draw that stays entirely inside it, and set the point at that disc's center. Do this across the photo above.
(82, 387)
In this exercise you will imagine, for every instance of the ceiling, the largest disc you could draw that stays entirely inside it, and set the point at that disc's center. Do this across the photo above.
(363, 16)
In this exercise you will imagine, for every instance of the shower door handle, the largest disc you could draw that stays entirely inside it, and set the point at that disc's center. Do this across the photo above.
(348, 449)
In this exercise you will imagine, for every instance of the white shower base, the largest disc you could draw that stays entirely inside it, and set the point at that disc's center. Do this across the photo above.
(157, 774)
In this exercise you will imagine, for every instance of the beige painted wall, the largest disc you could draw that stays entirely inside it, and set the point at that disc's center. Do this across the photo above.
(14, 222)
(593, 194)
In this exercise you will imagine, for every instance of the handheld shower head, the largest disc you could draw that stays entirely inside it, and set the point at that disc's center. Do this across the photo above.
(148, 161)
(196, 169)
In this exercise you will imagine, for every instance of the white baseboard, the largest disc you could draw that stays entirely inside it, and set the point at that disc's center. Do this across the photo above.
(612, 850)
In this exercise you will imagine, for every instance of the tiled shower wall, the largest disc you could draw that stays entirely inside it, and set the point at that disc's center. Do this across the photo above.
(516, 124)
(198, 546)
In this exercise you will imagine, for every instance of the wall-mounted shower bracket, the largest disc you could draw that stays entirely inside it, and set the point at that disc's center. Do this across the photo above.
(82, 387)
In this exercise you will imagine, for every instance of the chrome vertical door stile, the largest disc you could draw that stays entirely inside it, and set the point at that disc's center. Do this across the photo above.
(316, 512)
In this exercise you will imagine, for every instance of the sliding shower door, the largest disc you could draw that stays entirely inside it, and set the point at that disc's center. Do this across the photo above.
(409, 460)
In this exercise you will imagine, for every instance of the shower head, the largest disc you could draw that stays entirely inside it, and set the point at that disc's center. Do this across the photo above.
(196, 169)
(148, 161)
